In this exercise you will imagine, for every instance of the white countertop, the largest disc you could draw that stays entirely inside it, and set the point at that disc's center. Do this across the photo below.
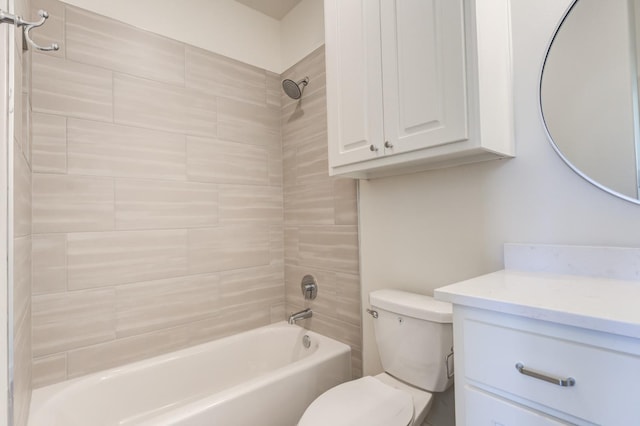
(601, 304)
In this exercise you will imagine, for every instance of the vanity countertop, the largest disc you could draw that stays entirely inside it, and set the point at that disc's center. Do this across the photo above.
(602, 304)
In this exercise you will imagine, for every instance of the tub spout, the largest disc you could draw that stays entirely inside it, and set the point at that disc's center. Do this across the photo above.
(307, 313)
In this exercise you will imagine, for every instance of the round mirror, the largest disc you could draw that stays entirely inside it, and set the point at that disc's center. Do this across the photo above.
(589, 93)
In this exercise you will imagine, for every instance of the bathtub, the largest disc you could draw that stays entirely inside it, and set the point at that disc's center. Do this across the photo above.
(264, 376)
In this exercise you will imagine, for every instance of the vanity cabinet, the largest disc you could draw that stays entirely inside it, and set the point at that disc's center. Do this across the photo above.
(417, 84)
(544, 350)
(597, 376)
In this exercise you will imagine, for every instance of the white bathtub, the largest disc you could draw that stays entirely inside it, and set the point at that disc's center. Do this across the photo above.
(260, 377)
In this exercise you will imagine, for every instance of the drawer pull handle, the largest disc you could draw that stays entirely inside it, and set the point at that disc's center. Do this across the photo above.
(569, 381)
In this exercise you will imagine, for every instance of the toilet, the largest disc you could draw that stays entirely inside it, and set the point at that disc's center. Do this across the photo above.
(414, 336)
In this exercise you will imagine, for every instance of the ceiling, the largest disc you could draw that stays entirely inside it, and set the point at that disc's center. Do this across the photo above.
(277, 9)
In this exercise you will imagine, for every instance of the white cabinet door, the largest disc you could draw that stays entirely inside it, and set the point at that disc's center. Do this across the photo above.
(354, 80)
(423, 64)
(406, 80)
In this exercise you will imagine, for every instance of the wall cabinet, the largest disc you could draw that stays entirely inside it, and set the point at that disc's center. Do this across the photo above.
(417, 84)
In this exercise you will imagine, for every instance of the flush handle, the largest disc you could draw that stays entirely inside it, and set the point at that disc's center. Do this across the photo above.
(568, 382)
(450, 365)
(373, 313)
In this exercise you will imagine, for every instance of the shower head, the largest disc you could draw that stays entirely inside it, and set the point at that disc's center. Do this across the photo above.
(294, 89)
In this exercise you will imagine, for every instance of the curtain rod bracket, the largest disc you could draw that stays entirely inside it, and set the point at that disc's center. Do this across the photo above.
(27, 26)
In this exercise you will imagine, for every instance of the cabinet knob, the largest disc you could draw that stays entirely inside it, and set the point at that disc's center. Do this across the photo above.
(388, 144)
(373, 148)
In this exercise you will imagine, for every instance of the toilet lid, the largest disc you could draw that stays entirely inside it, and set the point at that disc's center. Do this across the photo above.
(365, 401)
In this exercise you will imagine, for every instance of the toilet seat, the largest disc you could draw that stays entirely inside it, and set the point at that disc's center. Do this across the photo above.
(366, 401)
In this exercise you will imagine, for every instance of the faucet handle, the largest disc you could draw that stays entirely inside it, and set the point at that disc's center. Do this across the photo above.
(309, 287)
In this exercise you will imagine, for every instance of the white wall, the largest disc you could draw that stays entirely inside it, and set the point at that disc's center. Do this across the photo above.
(225, 27)
(592, 119)
(302, 31)
(423, 231)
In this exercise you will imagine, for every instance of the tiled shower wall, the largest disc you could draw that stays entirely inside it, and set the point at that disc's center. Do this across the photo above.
(320, 216)
(22, 229)
(157, 196)
(158, 217)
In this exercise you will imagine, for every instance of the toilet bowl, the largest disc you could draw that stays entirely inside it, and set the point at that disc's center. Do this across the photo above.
(415, 341)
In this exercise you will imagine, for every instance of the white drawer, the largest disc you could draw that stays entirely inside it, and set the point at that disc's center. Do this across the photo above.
(607, 383)
(490, 411)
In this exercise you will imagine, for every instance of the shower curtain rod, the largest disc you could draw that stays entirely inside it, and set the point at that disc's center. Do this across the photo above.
(9, 18)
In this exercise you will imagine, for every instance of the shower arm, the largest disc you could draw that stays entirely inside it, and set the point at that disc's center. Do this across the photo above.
(9, 18)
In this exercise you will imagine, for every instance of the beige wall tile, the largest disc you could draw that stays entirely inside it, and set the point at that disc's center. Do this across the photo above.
(111, 150)
(329, 247)
(232, 320)
(274, 89)
(113, 353)
(21, 138)
(49, 369)
(248, 123)
(26, 70)
(49, 141)
(151, 204)
(24, 57)
(27, 139)
(278, 312)
(276, 244)
(339, 330)
(348, 298)
(53, 31)
(97, 259)
(244, 286)
(72, 89)
(356, 363)
(49, 263)
(21, 7)
(64, 321)
(291, 253)
(304, 120)
(228, 247)
(309, 204)
(289, 167)
(345, 192)
(148, 104)
(211, 160)
(22, 195)
(250, 204)
(26, 83)
(312, 162)
(221, 76)
(22, 370)
(275, 165)
(63, 203)
(156, 305)
(104, 42)
(21, 278)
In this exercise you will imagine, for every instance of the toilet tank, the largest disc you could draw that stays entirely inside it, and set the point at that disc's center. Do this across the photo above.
(414, 335)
